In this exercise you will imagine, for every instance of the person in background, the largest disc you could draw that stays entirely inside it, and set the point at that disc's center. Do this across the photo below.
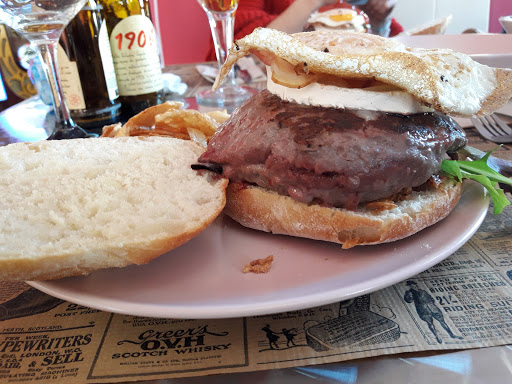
(379, 13)
(290, 16)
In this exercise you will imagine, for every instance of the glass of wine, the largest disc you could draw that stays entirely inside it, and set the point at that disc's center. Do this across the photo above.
(221, 17)
(42, 23)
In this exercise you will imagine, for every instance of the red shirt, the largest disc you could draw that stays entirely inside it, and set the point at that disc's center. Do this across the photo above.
(257, 13)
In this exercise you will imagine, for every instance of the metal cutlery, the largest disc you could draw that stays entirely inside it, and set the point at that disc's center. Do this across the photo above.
(493, 128)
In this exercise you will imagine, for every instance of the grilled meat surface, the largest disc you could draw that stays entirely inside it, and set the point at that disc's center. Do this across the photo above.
(330, 156)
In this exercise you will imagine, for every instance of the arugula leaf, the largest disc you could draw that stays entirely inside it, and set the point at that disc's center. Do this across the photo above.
(479, 171)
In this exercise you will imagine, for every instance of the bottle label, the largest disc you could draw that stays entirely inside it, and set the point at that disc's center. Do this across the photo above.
(108, 62)
(70, 80)
(136, 60)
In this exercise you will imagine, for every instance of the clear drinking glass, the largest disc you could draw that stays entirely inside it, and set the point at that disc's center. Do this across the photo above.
(42, 23)
(221, 17)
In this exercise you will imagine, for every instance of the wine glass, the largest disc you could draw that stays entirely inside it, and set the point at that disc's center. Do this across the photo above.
(42, 23)
(221, 18)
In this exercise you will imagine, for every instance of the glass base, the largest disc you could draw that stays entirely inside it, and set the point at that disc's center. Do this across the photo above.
(228, 97)
(70, 133)
(63, 130)
(92, 118)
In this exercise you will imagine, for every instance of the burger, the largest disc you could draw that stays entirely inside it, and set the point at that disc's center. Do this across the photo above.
(346, 143)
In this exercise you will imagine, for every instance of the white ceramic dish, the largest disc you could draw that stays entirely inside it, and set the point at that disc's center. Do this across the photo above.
(468, 43)
(503, 60)
(204, 279)
(486, 48)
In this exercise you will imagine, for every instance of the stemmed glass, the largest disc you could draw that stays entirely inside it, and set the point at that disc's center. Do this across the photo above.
(221, 17)
(42, 23)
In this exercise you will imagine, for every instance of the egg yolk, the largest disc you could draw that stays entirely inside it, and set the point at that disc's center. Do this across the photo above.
(342, 17)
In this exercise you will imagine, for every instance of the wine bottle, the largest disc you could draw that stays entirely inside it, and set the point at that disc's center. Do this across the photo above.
(135, 52)
(15, 82)
(87, 69)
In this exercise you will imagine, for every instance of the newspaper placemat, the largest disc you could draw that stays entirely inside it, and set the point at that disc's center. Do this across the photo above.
(462, 302)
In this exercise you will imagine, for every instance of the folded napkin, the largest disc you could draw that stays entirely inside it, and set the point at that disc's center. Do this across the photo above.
(173, 84)
(248, 71)
(506, 23)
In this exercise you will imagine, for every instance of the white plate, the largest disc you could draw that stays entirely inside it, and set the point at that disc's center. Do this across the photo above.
(486, 48)
(204, 279)
(468, 43)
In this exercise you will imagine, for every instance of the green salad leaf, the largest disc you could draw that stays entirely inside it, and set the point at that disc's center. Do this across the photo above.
(479, 171)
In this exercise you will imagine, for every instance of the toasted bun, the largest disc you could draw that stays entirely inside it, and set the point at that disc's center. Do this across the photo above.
(265, 210)
(442, 79)
(73, 206)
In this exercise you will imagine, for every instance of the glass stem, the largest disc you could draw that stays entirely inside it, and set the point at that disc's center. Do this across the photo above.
(222, 27)
(48, 52)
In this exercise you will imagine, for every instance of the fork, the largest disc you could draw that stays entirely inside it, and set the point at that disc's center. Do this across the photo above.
(493, 129)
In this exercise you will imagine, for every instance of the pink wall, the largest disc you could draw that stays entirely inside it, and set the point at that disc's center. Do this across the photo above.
(498, 8)
(184, 31)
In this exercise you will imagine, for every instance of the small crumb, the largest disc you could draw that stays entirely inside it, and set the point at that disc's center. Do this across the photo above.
(259, 265)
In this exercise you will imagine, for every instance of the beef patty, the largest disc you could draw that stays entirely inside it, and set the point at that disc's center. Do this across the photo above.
(330, 156)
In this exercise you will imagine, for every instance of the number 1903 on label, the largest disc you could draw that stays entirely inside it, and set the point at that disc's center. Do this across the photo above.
(138, 39)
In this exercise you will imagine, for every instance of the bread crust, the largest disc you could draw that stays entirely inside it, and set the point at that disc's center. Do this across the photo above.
(52, 267)
(265, 210)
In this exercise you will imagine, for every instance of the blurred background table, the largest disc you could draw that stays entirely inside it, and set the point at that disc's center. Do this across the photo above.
(31, 119)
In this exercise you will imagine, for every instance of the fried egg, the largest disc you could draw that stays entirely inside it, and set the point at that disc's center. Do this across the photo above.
(339, 18)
